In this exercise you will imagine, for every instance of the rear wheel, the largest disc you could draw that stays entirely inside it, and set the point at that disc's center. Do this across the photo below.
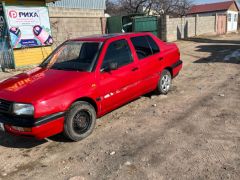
(164, 83)
(80, 121)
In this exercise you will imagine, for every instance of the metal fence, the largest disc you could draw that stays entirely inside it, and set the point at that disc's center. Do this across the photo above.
(6, 55)
(82, 4)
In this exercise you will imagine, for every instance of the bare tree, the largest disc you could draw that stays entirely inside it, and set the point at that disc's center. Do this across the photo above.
(112, 8)
(171, 7)
(157, 7)
(134, 6)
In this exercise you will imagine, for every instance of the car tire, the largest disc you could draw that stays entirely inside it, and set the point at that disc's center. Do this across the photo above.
(164, 83)
(80, 121)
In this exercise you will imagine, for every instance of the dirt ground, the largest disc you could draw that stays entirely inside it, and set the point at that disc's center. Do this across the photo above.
(192, 133)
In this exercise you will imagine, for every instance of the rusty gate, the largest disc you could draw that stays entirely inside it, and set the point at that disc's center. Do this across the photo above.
(221, 24)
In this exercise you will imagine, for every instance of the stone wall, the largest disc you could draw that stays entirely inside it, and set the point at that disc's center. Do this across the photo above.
(206, 25)
(67, 23)
(173, 29)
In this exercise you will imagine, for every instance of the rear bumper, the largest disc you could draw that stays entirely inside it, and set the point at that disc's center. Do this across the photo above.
(176, 67)
(39, 128)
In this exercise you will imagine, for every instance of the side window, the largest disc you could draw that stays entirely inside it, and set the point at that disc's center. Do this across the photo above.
(141, 46)
(154, 46)
(235, 17)
(229, 17)
(118, 52)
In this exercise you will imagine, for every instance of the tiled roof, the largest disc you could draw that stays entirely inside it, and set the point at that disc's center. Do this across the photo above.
(202, 8)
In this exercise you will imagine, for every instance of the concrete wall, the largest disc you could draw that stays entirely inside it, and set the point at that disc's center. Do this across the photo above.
(173, 29)
(206, 25)
(69, 23)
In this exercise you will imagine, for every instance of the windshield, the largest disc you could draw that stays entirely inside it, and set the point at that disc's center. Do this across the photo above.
(75, 56)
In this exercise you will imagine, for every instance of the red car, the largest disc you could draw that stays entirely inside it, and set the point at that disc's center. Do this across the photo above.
(82, 80)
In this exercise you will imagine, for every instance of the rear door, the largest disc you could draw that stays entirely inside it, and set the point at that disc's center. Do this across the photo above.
(149, 57)
(120, 85)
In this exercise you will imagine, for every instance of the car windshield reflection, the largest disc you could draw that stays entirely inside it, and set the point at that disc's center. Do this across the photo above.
(73, 56)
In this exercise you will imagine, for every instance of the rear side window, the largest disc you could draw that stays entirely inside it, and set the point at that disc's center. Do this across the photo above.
(118, 52)
(145, 46)
(141, 46)
(154, 46)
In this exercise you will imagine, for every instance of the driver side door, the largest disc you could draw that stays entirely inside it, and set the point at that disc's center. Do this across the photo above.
(120, 85)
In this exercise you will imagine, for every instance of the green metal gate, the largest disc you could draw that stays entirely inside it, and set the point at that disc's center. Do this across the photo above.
(146, 24)
(133, 23)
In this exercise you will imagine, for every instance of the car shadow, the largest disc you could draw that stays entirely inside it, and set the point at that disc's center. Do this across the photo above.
(60, 138)
(11, 141)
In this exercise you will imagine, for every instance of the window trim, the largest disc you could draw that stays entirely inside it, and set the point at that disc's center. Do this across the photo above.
(151, 46)
(131, 54)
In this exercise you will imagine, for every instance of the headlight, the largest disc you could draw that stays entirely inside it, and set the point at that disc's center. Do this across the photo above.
(23, 109)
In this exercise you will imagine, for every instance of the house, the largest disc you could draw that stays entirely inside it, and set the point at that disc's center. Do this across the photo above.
(228, 8)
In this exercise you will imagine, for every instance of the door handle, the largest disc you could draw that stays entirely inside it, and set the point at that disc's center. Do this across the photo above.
(161, 58)
(135, 69)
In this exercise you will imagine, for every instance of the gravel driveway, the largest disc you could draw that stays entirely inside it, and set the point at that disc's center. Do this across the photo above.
(192, 133)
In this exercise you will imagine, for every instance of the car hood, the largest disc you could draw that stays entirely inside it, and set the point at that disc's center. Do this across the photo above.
(40, 83)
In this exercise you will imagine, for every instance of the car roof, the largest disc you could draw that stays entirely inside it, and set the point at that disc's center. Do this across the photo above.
(104, 37)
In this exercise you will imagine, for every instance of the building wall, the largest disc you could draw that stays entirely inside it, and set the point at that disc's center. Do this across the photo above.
(211, 13)
(67, 23)
(233, 7)
(206, 25)
(178, 28)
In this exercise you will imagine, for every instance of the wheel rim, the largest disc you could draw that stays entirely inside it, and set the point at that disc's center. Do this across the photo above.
(166, 83)
(82, 122)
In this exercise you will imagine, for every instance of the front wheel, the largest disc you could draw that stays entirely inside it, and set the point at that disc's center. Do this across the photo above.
(164, 83)
(80, 121)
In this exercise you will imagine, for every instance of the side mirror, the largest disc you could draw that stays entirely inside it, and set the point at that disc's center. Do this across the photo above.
(112, 66)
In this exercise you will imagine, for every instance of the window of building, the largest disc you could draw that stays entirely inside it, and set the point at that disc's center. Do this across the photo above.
(235, 18)
(229, 17)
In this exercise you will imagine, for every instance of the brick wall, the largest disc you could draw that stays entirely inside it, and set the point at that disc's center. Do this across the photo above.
(173, 29)
(72, 23)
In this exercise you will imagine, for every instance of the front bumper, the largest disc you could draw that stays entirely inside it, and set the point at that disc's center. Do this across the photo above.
(39, 128)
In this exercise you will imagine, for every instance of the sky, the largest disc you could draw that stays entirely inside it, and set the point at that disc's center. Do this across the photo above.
(207, 1)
